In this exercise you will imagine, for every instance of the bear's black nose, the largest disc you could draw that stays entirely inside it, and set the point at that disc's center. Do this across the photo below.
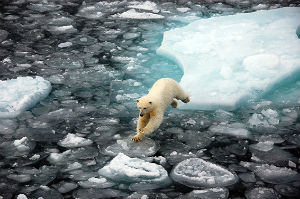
(141, 115)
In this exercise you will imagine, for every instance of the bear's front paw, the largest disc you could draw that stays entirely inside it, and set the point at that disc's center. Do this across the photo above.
(137, 138)
(186, 100)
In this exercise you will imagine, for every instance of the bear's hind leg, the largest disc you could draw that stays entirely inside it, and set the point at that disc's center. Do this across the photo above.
(174, 103)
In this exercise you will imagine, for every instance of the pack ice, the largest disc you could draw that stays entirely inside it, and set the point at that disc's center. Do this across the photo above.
(135, 171)
(21, 94)
(229, 60)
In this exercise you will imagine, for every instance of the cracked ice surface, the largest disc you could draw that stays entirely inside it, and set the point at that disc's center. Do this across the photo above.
(134, 170)
(233, 59)
(195, 172)
(20, 94)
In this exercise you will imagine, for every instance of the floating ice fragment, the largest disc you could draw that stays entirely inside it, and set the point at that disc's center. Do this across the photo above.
(21, 94)
(234, 129)
(65, 44)
(262, 193)
(44, 7)
(133, 14)
(196, 172)
(71, 140)
(269, 153)
(273, 174)
(56, 30)
(64, 187)
(146, 147)
(22, 196)
(212, 193)
(64, 60)
(277, 175)
(99, 183)
(183, 9)
(134, 170)
(263, 146)
(98, 193)
(147, 5)
(3, 35)
(233, 59)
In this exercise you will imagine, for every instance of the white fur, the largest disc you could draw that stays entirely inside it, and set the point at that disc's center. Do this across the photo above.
(163, 93)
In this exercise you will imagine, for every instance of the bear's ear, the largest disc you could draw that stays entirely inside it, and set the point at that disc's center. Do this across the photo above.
(137, 101)
(150, 102)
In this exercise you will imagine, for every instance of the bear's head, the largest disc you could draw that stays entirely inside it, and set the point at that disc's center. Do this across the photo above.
(145, 105)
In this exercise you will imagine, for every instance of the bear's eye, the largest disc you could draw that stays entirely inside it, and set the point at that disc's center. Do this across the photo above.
(145, 108)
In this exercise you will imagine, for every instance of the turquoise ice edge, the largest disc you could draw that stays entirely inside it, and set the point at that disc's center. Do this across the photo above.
(229, 61)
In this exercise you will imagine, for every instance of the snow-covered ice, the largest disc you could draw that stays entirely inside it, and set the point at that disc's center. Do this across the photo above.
(211, 193)
(71, 140)
(233, 59)
(21, 94)
(273, 174)
(99, 63)
(262, 193)
(133, 14)
(134, 170)
(196, 172)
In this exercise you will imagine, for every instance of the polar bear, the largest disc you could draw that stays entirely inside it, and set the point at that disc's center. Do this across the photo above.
(163, 93)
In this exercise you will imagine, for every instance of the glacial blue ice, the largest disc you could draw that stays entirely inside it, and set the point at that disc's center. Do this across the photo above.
(20, 94)
(230, 60)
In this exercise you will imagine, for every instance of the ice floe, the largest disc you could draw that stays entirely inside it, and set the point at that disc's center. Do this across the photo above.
(21, 94)
(71, 140)
(233, 59)
(147, 147)
(196, 172)
(134, 170)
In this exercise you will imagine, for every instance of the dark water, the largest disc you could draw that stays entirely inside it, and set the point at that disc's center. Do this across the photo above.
(98, 64)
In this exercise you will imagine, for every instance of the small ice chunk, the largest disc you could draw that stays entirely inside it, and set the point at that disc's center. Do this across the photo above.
(35, 157)
(196, 172)
(147, 5)
(64, 187)
(20, 177)
(21, 145)
(183, 9)
(131, 35)
(99, 183)
(22, 196)
(71, 140)
(262, 193)
(147, 147)
(3, 35)
(276, 175)
(56, 30)
(72, 166)
(212, 193)
(65, 44)
(21, 94)
(133, 14)
(134, 170)
(263, 146)
(270, 153)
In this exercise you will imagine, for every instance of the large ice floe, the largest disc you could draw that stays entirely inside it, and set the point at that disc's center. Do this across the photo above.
(135, 171)
(21, 94)
(230, 60)
(196, 172)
